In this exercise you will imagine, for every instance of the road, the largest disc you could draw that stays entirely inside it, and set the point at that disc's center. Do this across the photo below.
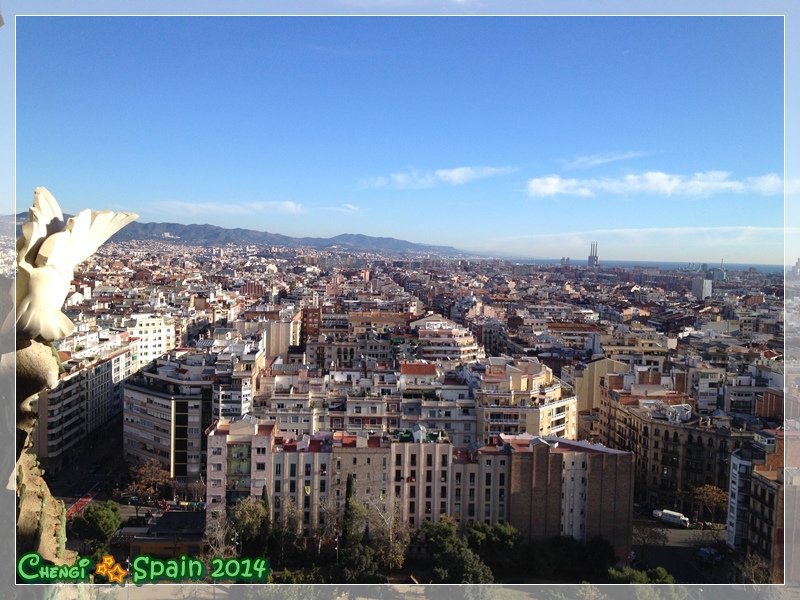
(679, 555)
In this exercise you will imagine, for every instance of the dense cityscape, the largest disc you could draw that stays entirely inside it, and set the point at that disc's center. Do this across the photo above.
(417, 300)
(366, 417)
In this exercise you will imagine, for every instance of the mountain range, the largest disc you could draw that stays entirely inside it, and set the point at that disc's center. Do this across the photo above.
(209, 235)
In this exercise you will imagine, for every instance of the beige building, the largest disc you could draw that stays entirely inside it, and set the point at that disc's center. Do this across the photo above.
(156, 335)
(585, 380)
(522, 396)
(676, 450)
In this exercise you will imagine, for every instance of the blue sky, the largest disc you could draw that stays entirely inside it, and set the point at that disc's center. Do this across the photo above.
(659, 138)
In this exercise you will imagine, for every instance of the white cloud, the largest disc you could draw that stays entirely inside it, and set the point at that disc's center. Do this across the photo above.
(236, 208)
(414, 179)
(595, 160)
(285, 206)
(656, 183)
(343, 208)
(462, 175)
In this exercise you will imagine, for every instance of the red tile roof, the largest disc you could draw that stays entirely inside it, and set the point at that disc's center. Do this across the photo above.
(418, 369)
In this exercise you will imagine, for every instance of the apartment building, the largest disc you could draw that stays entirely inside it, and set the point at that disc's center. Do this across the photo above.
(421, 461)
(443, 340)
(766, 448)
(576, 489)
(247, 456)
(367, 458)
(88, 395)
(280, 335)
(480, 485)
(766, 524)
(156, 335)
(675, 449)
(523, 396)
(167, 408)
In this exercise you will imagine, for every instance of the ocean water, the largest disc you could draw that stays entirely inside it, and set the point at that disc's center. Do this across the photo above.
(663, 265)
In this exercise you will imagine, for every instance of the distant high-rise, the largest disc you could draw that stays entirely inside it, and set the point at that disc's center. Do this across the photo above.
(593, 261)
(701, 288)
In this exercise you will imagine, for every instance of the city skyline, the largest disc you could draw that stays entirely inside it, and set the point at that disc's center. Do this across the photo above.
(659, 138)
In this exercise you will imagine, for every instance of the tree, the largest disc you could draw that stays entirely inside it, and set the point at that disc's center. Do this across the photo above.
(97, 523)
(631, 575)
(389, 535)
(327, 528)
(148, 480)
(250, 520)
(357, 557)
(450, 555)
(495, 544)
(285, 532)
(756, 569)
(218, 539)
(196, 490)
(710, 497)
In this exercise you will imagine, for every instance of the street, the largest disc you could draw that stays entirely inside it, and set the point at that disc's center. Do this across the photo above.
(679, 554)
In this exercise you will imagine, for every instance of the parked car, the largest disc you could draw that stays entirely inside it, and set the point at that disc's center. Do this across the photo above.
(709, 555)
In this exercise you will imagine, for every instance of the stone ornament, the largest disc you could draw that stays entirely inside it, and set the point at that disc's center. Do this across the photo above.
(48, 250)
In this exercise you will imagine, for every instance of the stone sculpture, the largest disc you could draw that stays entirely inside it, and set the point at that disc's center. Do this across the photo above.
(48, 250)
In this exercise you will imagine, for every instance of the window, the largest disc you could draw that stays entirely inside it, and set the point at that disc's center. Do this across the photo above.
(261, 451)
(444, 460)
(428, 476)
(429, 460)
(502, 481)
(261, 466)
(413, 460)
(398, 460)
(216, 467)
(292, 486)
(277, 486)
(355, 460)
(216, 451)
(428, 492)
(488, 479)
(278, 470)
(293, 470)
(472, 478)
(308, 470)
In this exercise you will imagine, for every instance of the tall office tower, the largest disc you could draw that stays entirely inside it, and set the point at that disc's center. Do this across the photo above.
(701, 288)
(593, 261)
